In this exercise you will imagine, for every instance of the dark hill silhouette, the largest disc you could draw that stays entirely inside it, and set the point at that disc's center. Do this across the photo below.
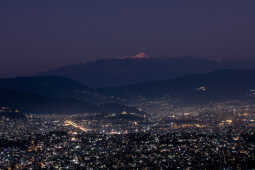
(117, 72)
(51, 86)
(33, 103)
(137, 69)
(222, 84)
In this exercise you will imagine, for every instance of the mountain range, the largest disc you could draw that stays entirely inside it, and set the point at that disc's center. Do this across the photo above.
(205, 87)
(114, 83)
(142, 68)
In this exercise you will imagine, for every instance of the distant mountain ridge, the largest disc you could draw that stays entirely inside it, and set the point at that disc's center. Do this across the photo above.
(141, 68)
(221, 84)
(52, 94)
(124, 71)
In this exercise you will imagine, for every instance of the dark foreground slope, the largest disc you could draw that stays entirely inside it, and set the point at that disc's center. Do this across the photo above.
(51, 86)
(34, 103)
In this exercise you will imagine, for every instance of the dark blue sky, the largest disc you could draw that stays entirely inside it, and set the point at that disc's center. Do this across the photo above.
(36, 35)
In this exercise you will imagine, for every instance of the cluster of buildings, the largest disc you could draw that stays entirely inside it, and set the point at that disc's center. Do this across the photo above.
(180, 149)
(211, 138)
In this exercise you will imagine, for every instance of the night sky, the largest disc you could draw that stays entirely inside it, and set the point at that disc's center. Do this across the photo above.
(36, 35)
